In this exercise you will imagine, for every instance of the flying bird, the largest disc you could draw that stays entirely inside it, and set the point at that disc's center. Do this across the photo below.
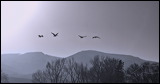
(95, 37)
(55, 34)
(82, 36)
(40, 36)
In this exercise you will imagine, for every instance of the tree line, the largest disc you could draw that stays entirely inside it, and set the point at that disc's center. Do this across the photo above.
(102, 70)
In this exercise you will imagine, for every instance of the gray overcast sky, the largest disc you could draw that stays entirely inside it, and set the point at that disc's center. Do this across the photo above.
(124, 27)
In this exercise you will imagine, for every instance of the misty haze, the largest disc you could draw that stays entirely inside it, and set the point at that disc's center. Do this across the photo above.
(79, 42)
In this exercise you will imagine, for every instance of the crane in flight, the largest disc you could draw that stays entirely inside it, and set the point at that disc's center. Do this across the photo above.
(95, 37)
(40, 36)
(54, 34)
(82, 36)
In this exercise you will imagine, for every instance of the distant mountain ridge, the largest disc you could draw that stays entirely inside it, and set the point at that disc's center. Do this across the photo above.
(85, 56)
(26, 63)
(21, 66)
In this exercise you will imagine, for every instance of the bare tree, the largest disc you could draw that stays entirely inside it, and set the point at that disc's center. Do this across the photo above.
(4, 78)
(144, 73)
(54, 73)
(95, 70)
(70, 70)
(84, 73)
(39, 77)
(106, 70)
(77, 73)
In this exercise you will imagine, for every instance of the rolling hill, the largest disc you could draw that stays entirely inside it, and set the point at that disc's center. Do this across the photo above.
(20, 67)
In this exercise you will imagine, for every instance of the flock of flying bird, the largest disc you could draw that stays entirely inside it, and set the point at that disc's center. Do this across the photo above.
(78, 35)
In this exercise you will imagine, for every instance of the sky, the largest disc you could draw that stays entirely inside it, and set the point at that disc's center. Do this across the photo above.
(125, 27)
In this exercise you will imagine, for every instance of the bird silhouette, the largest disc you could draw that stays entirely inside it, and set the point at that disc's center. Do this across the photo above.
(82, 36)
(95, 37)
(40, 36)
(55, 34)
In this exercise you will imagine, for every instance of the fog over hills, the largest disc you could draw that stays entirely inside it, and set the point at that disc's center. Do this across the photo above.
(21, 66)
(26, 63)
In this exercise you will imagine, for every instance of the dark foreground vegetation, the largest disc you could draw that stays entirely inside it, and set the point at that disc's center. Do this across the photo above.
(100, 70)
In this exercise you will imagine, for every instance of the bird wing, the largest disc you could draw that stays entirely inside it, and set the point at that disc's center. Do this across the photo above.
(79, 36)
(56, 34)
(39, 35)
(97, 37)
(53, 33)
